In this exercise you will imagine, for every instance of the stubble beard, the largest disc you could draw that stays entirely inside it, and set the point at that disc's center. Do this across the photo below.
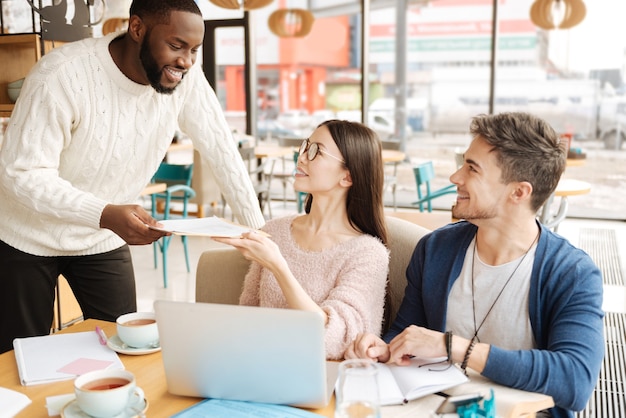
(151, 68)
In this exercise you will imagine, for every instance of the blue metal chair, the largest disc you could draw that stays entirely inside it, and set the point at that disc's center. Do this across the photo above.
(424, 173)
(178, 180)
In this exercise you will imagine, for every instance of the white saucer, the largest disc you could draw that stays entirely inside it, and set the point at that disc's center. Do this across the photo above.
(72, 410)
(116, 344)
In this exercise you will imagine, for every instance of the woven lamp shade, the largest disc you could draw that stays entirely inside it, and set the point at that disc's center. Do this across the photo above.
(288, 23)
(245, 4)
(542, 13)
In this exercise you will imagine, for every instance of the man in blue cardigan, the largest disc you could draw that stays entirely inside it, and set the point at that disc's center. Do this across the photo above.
(498, 292)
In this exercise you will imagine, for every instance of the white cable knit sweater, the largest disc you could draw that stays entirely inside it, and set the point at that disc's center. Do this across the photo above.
(82, 135)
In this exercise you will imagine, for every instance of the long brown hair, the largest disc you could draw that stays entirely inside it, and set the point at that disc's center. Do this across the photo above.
(362, 154)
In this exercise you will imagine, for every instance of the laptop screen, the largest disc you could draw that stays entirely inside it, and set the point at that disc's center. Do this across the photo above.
(244, 353)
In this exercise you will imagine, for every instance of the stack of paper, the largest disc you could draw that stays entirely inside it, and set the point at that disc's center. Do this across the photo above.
(210, 227)
(223, 408)
(12, 402)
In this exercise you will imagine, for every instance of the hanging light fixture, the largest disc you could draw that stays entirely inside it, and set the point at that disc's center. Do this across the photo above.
(241, 4)
(289, 23)
(561, 14)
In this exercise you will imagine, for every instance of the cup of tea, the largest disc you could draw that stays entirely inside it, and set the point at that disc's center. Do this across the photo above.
(138, 329)
(107, 393)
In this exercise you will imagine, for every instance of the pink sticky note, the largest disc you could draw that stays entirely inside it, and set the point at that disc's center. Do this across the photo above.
(84, 365)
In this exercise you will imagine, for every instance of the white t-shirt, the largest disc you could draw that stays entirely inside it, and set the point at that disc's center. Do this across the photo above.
(508, 324)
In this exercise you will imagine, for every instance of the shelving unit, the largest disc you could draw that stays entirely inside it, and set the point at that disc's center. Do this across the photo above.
(18, 54)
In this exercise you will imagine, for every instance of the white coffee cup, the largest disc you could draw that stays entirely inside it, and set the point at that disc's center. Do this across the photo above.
(138, 329)
(107, 393)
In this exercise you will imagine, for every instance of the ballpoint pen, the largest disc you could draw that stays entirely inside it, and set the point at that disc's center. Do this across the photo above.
(101, 336)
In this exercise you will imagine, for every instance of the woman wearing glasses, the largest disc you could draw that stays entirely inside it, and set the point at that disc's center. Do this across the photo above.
(333, 259)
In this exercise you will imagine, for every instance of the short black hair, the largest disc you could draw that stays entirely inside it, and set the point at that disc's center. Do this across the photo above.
(160, 9)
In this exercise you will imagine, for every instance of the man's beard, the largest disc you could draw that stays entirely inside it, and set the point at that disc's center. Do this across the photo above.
(469, 215)
(153, 72)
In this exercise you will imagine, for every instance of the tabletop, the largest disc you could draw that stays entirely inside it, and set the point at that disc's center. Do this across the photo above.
(429, 220)
(575, 162)
(272, 151)
(148, 370)
(154, 188)
(150, 375)
(393, 156)
(572, 187)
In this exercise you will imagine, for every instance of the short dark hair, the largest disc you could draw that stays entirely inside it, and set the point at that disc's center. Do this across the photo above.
(160, 9)
(527, 149)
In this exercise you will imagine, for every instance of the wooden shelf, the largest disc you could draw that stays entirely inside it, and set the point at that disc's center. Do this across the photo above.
(5, 110)
(18, 53)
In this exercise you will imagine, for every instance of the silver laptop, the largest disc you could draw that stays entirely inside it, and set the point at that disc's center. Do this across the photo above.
(245, 353)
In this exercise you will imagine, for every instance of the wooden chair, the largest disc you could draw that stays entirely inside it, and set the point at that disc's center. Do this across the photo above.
(424, 174)
(261, 175)
(203, 182)
(391, 174)
(285, 176)
(221, 271)
(178, 180)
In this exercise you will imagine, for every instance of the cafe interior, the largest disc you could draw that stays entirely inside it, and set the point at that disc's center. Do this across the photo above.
(415, 71)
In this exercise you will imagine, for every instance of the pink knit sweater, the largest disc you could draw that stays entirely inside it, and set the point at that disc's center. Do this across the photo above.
(347, 281)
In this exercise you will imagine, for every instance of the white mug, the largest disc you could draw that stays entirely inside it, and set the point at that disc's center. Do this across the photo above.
(138, 329)
(357, 394)
(106, 393)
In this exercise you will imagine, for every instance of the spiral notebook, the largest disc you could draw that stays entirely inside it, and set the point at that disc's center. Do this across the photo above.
(56, 357)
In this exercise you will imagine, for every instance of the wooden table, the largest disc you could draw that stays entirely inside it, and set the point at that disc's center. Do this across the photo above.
(429, 220)
(150, 375)
(153, 188)
(272, 151)
(575, 162)
(393, 156)
(148, 370)
(565, 188)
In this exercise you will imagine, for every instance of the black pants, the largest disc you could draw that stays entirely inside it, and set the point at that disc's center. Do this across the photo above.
(104, 286)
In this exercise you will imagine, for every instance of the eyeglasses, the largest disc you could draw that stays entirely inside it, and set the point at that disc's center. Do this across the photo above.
(312, 149)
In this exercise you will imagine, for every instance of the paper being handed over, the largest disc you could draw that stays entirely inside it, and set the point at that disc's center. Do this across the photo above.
(208, 227)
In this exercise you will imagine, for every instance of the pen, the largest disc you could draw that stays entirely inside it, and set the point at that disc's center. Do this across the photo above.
(101, 336)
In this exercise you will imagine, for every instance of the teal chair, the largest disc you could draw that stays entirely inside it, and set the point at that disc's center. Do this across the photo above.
(424, 173)
(178, 180)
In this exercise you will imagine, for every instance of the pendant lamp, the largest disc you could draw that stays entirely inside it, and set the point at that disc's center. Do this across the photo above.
(241, 4)
(561, 14)
(288, 23)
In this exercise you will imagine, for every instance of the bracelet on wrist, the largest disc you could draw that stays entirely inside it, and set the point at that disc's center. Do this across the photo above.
(468, 353)
(449, 346)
